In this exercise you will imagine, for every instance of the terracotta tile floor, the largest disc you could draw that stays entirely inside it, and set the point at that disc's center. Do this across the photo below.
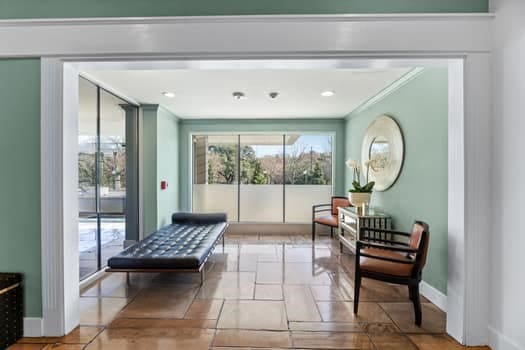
(261, 291)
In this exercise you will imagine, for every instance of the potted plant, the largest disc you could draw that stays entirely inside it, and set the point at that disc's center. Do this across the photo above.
(359, 194)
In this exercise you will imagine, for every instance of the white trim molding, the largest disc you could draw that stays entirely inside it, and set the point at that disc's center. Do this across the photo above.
(390, 89)
(499, 341)
(246, 34)
(462, 41)
(59, 180)
(435, 296)
(33, 327)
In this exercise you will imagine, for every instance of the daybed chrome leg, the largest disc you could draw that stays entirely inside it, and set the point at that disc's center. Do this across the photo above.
(127, 279)
(223, 243)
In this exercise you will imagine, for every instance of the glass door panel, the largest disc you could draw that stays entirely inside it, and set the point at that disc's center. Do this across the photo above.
(87, 179)
(308, 170)
(107, 176)
(215, 180)
(112, 160)
(261, 178)
(112, 228)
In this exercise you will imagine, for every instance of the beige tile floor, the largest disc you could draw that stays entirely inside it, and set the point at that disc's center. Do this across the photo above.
(263, 292)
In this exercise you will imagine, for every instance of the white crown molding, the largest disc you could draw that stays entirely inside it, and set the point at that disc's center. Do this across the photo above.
(381, 95)
(248, 18)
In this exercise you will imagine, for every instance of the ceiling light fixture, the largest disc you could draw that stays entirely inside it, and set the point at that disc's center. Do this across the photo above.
(168, 94)
(238, 95)
(327, 93)
(273, 94)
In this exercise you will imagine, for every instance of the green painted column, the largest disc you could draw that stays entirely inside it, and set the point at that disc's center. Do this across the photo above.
(160, 163)
(149, 168)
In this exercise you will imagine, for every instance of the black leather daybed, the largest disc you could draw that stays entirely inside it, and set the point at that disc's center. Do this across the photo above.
(183, 246)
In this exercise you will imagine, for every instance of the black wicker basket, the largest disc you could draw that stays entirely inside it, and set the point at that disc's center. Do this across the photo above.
(11, 309)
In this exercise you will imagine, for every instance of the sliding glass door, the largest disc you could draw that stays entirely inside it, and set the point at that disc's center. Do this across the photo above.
(107, 176)
(262, 177)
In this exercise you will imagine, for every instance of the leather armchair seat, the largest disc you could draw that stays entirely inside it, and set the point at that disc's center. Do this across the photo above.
(386, 267)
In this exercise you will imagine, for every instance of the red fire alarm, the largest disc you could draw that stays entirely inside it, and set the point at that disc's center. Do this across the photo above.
(163, 184)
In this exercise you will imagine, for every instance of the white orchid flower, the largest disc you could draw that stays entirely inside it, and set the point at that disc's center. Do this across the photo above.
(353, 164)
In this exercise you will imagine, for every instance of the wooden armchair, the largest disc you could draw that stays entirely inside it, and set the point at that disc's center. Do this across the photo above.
(382, 255)
(331, 219)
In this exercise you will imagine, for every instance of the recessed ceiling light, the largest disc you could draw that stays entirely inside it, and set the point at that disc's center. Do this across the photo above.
(327, 93)
(273, 95)
(168, 94)
(239, 95)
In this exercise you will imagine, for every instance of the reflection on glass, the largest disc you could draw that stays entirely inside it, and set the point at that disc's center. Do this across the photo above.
(379, 154)
(87, 178)
(308, 174)
(112, 235)
(215, 184)
(102, 176)
(112, 158)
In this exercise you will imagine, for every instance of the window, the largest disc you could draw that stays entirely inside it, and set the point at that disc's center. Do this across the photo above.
(107, 172)
(262, 177)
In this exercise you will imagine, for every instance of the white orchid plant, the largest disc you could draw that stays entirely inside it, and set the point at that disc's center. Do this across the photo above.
(356, 183)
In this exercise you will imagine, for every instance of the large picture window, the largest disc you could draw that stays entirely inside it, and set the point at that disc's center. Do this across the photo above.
(262, 177)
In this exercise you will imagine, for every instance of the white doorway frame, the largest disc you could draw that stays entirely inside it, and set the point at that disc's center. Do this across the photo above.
(200, 42)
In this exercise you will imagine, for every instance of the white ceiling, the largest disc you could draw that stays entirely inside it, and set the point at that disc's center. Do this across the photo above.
(208, 93)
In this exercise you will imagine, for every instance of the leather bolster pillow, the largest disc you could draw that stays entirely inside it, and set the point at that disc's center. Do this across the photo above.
(193, 218)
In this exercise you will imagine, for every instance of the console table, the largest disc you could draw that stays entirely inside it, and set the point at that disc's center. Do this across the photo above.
(351, 219)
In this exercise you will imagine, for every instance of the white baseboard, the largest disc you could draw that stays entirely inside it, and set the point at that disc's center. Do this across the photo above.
(435, 296)
(498, 341)
(33, 327)
(86, 282)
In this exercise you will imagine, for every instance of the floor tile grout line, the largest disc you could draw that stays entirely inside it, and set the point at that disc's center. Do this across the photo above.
(344, 272)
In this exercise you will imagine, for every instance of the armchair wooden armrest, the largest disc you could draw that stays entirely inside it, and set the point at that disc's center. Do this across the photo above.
(383, 230)
(364, 244)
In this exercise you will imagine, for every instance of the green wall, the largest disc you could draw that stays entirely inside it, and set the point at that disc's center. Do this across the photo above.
(20, 176)
(148, 138)
(421, 109)
(160, 162)
(139, 8)
(202, 126)
(167, 166)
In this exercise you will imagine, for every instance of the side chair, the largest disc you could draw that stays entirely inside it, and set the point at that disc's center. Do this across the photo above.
(393, 257)
(332, 218)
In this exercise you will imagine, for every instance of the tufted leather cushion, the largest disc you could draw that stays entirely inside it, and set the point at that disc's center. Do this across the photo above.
(329, 220)
(385, 267)
(177, 246)
(198, 218)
